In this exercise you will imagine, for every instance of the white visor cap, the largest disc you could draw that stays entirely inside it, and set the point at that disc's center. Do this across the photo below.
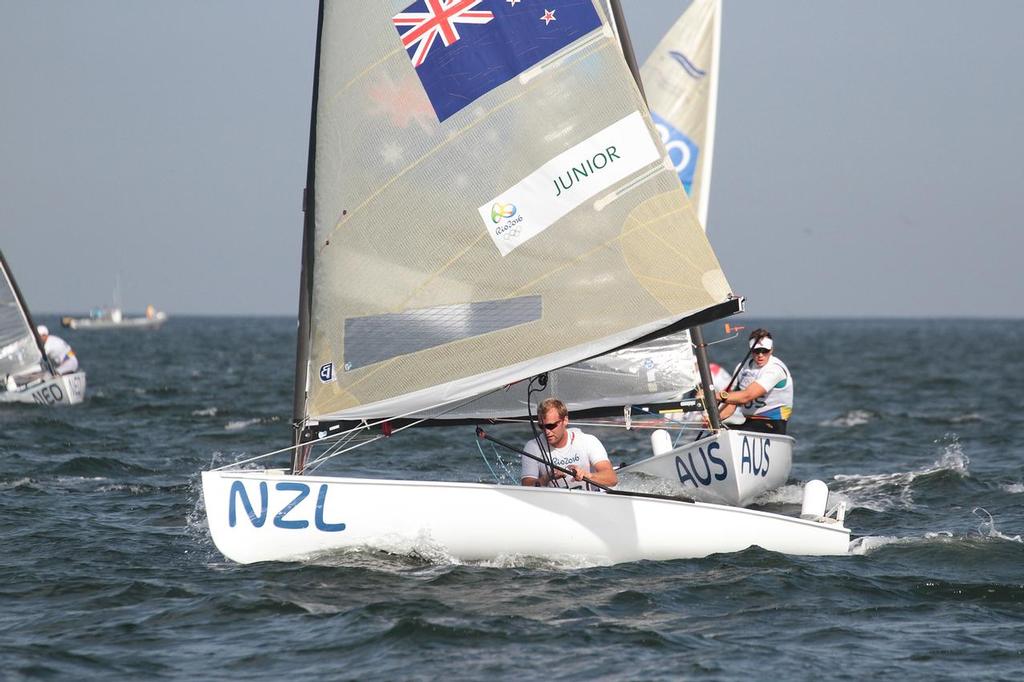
(765, 343)
(43, 331)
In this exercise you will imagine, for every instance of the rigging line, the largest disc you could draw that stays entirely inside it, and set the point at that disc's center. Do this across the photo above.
(365, 426)
(452, 405)
(335, 449)
(254, 459)
(504, 465)
(316, 463)
(488, 464)
(288, 448)
(353, 431)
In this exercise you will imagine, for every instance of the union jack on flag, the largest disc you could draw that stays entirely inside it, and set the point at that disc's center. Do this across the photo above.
(481, 49)
(440, 19)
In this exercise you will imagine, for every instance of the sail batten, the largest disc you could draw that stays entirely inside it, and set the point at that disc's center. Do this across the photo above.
(457, 251)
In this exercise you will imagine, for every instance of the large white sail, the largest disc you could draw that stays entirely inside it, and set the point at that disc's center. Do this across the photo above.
(462, 247)
(680, 80)
(19, 349)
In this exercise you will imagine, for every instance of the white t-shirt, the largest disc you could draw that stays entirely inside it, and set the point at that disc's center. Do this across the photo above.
(582, 449)
(775, 379)
(57, 349)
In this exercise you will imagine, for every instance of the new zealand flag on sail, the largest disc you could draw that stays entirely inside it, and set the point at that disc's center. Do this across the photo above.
(463, 49)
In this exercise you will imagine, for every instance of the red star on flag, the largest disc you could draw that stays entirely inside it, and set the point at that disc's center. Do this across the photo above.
(549, 16)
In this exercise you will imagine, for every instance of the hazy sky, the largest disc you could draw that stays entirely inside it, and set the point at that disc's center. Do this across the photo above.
(869, 155)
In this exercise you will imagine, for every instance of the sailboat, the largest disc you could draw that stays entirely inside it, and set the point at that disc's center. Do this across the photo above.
(487, 206)
(26, 374)
(113, 317)
(680, 80)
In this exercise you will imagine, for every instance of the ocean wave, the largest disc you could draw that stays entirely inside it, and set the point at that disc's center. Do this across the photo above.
(398, 555)
(15, 483)
(885, 492)
(241, 424)
(130, 488)
(786, 494)
(987, 528)
(1013, 487)
(850, 419)
(205, 412)
(986, 532)
(99, 467)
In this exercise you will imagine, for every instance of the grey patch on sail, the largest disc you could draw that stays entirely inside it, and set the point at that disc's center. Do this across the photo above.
(376, 338)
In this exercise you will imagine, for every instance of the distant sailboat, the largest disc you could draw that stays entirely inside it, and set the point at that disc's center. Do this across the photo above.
(445, 278)
(113, 317)
(26, 374)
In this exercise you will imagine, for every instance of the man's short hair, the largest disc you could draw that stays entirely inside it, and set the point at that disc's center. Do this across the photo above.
(550, 403)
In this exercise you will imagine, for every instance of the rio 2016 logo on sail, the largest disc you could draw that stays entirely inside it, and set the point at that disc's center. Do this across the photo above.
(239, 494)
(508, 223)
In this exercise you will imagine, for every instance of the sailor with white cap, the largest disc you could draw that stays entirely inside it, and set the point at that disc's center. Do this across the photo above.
(765, 388)
(57, 349)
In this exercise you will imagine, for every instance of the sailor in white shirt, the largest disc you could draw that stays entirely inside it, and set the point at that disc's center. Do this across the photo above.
(765, 394)
(57, 349)
(570, 449)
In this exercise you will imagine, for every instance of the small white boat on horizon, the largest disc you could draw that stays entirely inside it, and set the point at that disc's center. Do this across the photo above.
(114, 318)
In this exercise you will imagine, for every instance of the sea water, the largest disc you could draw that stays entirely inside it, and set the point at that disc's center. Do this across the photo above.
(107, 569)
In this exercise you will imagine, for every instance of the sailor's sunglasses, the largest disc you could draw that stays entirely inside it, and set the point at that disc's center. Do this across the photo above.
(760, 351)
(552, 425)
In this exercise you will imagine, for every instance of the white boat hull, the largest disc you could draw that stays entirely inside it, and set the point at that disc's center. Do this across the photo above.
(730, 467)
(83, 323)
(64, 389)
(271, 516)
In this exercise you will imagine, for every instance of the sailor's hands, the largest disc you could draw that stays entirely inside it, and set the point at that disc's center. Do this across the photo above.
(578, 472)
(553, 476)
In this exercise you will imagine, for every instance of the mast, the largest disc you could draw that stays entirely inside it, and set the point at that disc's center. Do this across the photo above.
(627, 45)
(306, 277)
(26, 313)
(699, 347)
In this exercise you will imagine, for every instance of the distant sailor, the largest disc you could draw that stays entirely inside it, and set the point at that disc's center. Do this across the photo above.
(765, 394)
(568, 448)
(58, 351)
